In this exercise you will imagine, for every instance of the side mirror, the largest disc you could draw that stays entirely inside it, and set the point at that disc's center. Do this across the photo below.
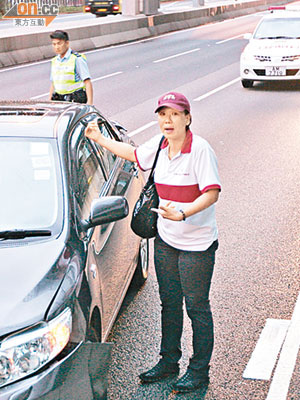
(105, 210)
(248, 36)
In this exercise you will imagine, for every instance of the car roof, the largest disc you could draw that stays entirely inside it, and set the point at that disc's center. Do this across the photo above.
(40, 119)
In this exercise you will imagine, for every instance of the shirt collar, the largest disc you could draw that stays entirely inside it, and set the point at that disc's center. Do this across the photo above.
(187, 144)
(66, 56)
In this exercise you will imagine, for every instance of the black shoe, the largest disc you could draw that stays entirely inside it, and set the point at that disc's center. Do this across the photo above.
(161, 371)
(190, 381)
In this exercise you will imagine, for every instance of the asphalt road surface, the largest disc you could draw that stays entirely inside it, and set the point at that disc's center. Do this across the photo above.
(256, 136)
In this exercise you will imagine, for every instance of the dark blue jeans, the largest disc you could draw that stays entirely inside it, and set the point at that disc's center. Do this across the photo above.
(185, 274)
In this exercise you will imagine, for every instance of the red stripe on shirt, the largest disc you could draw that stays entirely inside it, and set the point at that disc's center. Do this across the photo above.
(180, 194)
(211, 187)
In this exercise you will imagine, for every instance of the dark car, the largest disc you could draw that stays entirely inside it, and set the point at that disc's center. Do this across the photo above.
(67, 253)
(101, 8)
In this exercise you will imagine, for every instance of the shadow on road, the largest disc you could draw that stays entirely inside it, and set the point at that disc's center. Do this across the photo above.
(288, 86)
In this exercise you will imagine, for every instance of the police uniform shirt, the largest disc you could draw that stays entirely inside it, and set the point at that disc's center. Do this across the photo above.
(81, 68)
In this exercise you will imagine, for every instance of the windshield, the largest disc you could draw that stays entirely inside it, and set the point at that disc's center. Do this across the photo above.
(30, 184)
(278, 28)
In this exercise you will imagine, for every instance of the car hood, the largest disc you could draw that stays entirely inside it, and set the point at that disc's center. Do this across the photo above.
(273, 47)
(30, 277)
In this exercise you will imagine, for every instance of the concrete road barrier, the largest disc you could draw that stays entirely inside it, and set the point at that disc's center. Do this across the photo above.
(32, 47)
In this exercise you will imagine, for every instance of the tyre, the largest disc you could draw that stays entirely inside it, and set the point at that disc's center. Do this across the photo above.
(246, 83)
(141, 272)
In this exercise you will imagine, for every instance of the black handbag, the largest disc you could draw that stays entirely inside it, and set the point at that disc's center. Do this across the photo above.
(143, 220)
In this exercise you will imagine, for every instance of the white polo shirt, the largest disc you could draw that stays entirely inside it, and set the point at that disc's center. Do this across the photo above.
(182, 180)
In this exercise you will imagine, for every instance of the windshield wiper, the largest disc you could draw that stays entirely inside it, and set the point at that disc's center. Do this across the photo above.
(284, 37)
(22, 233)
(279, 37)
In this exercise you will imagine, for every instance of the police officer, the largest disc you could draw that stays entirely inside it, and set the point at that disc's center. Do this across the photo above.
(70, 77)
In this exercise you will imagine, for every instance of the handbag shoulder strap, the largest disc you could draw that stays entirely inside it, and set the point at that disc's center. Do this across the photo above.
(156, 157)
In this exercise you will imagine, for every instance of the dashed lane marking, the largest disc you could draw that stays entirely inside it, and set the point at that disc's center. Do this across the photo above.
(142, 128)
(39, 96)
(176, 55)
(107, 76)
(93, 80)
(218, 89)
(232, 38)
(287, 360)
(264, 356)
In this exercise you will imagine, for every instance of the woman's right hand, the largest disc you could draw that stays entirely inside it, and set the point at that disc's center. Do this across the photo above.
(92, 131)
(120, 149)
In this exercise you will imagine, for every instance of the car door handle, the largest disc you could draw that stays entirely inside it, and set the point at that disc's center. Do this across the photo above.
(93, 270)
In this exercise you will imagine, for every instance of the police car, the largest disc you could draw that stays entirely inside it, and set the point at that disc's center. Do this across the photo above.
(273, 51)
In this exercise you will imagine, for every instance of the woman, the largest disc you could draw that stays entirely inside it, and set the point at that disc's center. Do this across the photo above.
(187, 182)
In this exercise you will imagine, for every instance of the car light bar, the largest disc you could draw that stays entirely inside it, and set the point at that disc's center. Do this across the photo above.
(289, 7)
(275, 8)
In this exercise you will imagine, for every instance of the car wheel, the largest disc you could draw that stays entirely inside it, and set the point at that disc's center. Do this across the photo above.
(246, 83)
(141, 272)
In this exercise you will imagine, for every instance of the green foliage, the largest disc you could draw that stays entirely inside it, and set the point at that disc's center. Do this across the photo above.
(69, 9)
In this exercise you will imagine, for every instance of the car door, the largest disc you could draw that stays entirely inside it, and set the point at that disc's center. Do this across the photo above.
(117, 257)
(98, 173)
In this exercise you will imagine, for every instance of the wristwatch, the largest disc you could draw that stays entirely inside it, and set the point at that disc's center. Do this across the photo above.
(183, 215)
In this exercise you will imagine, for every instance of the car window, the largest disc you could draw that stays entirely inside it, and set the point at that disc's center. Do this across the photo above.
(90, 178)
(108, 157)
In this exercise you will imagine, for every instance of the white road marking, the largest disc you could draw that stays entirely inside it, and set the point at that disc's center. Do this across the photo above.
(93, 80)
(176, 55)
(232, 38)
(217, 89)
(24, 66)
(168, 34)
(264, 356)
(142, 128)
(140, 40)
(281, 381)
(107, 76)
(40, 95)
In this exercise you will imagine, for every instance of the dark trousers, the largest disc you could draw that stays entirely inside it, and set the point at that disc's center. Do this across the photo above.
(185, 274)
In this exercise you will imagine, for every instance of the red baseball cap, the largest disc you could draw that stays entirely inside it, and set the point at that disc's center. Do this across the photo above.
(174, 100)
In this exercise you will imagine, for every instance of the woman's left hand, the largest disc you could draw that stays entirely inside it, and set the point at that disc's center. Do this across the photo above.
(169, 212)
